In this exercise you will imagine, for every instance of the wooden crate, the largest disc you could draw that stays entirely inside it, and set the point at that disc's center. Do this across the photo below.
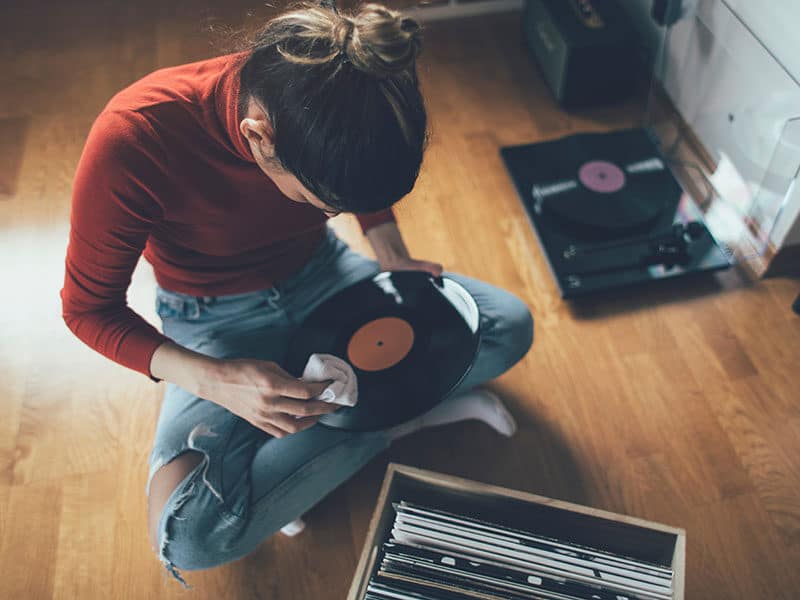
(629, 536)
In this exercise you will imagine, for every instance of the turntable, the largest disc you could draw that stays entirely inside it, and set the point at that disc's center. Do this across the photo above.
(700, 185)
(608, 211)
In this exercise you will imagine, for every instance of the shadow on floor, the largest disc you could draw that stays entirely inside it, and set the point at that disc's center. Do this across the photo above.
(656, 293)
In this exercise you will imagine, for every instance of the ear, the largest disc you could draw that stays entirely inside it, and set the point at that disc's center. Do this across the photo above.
(259, 133)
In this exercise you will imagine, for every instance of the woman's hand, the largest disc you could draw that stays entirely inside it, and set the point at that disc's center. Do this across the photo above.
(265, 395)
(411, 264)
(258, 391)
(392, 254)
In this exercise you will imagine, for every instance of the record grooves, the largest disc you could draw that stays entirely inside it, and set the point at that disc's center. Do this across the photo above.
(410, 338)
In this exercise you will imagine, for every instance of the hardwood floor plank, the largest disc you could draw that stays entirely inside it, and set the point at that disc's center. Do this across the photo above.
(86, 525)
(775, 482)
(733, 572)
(28, 548)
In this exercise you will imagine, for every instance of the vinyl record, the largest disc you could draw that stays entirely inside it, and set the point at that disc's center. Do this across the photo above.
(410, 338)
(602, 203)
(598, 187)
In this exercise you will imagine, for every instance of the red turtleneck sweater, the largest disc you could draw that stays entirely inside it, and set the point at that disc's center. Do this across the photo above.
(166, 173)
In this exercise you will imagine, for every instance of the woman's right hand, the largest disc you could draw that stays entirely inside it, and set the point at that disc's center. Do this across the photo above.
(258, 391)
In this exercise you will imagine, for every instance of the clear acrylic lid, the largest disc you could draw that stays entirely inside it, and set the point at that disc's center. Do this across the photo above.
(725, 113)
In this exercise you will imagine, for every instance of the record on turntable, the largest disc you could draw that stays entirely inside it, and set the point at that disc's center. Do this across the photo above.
(411, 339)
(601, 190)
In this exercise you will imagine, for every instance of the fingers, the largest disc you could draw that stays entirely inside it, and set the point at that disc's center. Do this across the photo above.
(268, 428)
(280, 383)
(302, 390)
(280, 425)
(302, 408)
(289, 425)
(433, 268)
(317, 387)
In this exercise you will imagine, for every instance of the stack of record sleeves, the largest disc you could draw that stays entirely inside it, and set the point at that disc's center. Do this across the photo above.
(436, 555)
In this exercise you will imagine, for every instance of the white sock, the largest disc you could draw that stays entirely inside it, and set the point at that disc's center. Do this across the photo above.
(293, 528)
(478, 404)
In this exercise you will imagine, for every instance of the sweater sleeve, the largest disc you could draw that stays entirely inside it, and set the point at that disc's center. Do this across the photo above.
(370, 220)
(114, 207)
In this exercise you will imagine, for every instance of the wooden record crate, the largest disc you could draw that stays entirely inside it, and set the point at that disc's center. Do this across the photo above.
(620, 534)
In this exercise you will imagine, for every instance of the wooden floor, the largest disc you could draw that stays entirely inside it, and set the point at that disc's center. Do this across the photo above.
(678, 403)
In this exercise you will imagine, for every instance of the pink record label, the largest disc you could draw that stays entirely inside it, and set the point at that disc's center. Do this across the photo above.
(602, 176)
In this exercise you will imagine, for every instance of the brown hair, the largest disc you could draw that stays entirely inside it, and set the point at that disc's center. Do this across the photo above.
(342, 93)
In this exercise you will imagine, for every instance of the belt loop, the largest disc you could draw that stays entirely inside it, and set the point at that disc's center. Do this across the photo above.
(272, 295)
(191, 308)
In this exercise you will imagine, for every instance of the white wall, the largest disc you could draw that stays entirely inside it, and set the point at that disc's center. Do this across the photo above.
(776, 23)
(717, 69)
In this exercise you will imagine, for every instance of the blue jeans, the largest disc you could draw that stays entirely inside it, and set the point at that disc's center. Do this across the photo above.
(251, 484)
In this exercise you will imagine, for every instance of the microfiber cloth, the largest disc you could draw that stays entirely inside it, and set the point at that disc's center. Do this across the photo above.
(344, 387)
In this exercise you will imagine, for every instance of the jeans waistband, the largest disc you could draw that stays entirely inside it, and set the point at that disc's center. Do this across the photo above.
(185, 302)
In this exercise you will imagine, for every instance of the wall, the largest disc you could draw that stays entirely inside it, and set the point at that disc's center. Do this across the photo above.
(734, 95)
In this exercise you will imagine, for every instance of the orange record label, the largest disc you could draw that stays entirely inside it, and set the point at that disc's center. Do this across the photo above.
(380, 344)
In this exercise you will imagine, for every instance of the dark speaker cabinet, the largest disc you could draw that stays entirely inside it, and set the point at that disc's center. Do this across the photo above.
(586, 50)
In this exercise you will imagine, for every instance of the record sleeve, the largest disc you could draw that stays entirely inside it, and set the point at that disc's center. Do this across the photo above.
(530, 578)
(567, 548)
(417, 536)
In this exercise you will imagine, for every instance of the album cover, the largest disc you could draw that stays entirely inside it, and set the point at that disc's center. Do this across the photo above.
(470, 567)
(438, 585)
(434, 554)
(447, 522)
(377, 591)
(519, 557)
(382, 591)
(475, 583)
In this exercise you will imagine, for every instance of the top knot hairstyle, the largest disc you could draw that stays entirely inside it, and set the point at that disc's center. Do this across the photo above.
(342, 94)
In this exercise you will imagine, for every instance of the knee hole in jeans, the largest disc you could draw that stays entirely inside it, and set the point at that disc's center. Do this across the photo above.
(164, 482)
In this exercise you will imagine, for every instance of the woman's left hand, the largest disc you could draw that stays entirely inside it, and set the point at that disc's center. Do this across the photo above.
(392, 254)
(411, 264)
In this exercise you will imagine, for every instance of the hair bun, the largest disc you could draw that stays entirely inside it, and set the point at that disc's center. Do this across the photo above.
(381, 41)
(343, 32)
(375, 39)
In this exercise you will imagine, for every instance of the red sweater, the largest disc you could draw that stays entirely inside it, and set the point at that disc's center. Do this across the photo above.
(166, 173)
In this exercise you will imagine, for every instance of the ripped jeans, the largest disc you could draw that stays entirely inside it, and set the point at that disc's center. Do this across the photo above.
(250, 484)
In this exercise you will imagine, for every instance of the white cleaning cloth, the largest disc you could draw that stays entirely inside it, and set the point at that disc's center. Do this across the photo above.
(344, 387)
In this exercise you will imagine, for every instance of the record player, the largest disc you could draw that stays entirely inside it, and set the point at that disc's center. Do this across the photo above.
(609, 212)
(698, 186)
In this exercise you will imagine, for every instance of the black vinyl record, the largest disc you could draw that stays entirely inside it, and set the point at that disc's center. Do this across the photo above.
(411, 339)
(600, 188)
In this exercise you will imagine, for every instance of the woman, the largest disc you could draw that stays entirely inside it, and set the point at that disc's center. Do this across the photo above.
(222, 173)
